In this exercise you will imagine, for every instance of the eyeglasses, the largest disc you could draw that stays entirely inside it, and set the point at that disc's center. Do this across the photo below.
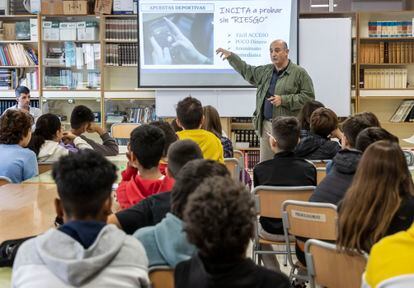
(270, 135)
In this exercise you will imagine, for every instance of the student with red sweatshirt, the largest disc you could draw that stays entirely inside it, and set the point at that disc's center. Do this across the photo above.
(142, 177)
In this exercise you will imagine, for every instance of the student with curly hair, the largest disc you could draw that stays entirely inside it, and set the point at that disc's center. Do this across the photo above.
(219, 221)
(17, 162)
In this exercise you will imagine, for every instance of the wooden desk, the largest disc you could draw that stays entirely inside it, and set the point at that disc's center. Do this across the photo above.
(26, 209)
(46, 178)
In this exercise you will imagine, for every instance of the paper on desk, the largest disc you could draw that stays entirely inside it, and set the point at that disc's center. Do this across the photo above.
(409, 140)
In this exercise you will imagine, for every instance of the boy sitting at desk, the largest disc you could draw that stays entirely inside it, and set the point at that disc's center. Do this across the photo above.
(81, 121)
(84, 251)
(190, 118)
(142, 178)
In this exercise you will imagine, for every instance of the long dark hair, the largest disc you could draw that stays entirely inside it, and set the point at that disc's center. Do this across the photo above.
(380, 183)
(212, 120)
(46, 127)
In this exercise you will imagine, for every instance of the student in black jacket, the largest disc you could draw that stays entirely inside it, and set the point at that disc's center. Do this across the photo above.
(285, 169)
(219, 221)
(153, 209)
(317, 145)
(344, 164)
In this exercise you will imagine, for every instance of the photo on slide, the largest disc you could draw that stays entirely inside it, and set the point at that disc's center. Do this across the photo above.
(178, 39)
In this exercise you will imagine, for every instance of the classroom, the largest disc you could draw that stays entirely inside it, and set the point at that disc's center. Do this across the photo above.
(208, 144)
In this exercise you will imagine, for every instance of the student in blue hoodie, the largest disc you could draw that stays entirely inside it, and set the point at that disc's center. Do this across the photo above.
(84, 251)
(166, 243)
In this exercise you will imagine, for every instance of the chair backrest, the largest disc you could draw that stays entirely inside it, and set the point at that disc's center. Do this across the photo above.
(320, 174)
(44, 167)
(123, 130)
(4, 180)
(239, 156)
(319, 163)
(233, 166)
(269, 199)
(161, 277)
(329, 267)
(310, 220)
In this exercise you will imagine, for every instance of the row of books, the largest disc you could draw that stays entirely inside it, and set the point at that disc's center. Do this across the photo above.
(245, 138)
(5, 104)
(241, 120)
(15, 54)
(387, 52)
(121, 29)
(67, 79)
(404, 112)
(142, 114)
(70, 54)
(121, 54)
(384, 78)
(11, 78)
(251, 158)
(70, 31)
(380, 29)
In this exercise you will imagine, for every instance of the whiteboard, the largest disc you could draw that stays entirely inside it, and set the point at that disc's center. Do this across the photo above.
(325, 52)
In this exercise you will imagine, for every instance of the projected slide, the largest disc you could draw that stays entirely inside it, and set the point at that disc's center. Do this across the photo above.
(178, 39)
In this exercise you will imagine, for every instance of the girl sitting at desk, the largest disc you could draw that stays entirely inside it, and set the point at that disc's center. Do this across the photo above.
(47, 139)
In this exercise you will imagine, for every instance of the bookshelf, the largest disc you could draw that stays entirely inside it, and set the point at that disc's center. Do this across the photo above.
(386, 47)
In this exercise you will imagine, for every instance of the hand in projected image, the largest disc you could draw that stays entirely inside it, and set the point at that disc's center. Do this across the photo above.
(186, 52)
(160, 56)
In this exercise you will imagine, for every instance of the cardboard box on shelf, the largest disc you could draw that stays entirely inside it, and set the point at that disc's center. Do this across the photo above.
(103, 6)
(75, 7)
(52, 7)
(67, 31)
(51, 30)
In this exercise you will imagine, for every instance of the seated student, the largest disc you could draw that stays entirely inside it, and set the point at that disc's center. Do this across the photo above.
(17, 162)
(390, 263)
(333, 187)
(82, 120)
(212, 123)
(170, 137)
(219, 220)
(190, 118)
(153, 209)
(380, 201)
(285, 169)
(305, 114)
(84, 251)
(317, 145)
(373, 134)
(175, 126)
(166, 242)
(142, 178)
(47, 137)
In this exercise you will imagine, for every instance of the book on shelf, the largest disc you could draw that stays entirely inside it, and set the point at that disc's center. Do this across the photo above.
(236, 120)
(142, 114)
(403, 112)
(121, 54)
(384, 78)
(16, 7)
(10, 79)
(251, 158)
(245, 138)
(71, 55)
(65, 78)
(384, 29)
(70, 31)
(387, 52)
(121, 29)
(15, 54)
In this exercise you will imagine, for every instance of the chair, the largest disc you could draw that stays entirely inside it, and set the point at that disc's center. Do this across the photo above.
(233, 166)
(330, 267)
(122, 131)
(44, 167)
(307, 220)
(268, 201)
(4, 180)
(240, 157)
(319, 163)
(161, 277)
(320, 174)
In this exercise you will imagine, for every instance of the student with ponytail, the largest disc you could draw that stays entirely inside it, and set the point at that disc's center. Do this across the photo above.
(380, 201)
(47, 139)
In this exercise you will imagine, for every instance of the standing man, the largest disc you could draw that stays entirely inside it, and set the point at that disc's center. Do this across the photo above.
(23, 103)
(282, 89)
